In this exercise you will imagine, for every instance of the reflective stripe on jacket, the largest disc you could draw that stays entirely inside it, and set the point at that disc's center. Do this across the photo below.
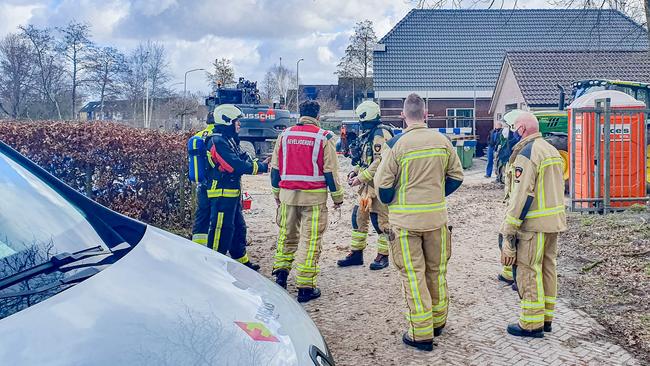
(535, 188)
(415, 168)
(305, 165)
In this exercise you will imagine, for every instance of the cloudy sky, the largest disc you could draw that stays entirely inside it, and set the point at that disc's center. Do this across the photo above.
(254, 34)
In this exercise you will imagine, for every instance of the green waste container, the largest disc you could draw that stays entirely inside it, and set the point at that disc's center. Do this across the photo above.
(466, 150)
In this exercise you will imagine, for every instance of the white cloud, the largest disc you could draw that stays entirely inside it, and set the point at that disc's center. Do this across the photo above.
(325, 56)
(253, 33)
(13, 15)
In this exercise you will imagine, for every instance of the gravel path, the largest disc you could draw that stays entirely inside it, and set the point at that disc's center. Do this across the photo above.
(361, 312)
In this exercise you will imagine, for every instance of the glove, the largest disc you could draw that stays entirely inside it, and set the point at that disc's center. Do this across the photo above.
(509, 250)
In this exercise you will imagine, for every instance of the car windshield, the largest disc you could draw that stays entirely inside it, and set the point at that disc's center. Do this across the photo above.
(36, 221)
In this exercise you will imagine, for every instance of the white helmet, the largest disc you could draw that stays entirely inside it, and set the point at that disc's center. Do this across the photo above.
(511, 117)
(368, 111)
(225, 114)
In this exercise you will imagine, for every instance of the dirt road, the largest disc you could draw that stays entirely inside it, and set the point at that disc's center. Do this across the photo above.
(361, 312)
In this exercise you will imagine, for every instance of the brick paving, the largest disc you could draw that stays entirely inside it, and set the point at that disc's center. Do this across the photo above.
(361, 312)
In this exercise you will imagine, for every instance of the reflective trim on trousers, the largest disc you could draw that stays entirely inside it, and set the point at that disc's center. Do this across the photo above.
(200, 239)
(282, 260)
(410, 272)
(243, 259)
(507, 272)
(315, 215)
(382, 243)
(227, 193)
(217, 231)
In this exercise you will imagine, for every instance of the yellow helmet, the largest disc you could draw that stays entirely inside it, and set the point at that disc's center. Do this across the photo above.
(368, 111)
(226, 113)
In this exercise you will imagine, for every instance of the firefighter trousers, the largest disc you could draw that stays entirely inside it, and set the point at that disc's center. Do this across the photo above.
(421, 258)
(360, 224)
(201, 216)
(227, 232)
(536, 278)
(299, 241)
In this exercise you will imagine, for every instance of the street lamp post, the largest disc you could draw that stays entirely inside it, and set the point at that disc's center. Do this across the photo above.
(185, 95)
(298, 86)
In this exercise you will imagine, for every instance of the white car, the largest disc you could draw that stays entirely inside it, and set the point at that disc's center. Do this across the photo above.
(83, 285)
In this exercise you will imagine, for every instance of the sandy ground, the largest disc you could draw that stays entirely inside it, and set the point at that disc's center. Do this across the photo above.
(361, 312)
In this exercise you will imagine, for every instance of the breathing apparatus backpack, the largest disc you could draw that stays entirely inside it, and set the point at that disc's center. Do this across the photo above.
(197, 157)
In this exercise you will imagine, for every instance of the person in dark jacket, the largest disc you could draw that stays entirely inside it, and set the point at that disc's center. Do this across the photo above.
(228, 163)
(493, 143)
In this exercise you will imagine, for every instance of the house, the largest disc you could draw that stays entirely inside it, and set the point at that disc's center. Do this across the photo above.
(529, 80)
(113, 111)
(452, 58)
(342, 92)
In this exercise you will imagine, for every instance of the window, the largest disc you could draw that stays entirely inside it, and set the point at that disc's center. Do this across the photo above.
(460, 117)
(510, 107)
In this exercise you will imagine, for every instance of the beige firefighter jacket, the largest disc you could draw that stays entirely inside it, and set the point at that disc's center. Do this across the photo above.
(330, 165)
(535, 189)
(418, 169)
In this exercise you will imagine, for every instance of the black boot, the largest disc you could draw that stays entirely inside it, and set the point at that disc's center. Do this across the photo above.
(281, 277)
(516, 330)
(306, 294)
(548, 327)
(251, 265)
(438, 331)
(380, 262)
(421, 345)
(355, 258)
(503, 279)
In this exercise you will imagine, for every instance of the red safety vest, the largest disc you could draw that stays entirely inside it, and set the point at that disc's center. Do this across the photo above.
(301, 157)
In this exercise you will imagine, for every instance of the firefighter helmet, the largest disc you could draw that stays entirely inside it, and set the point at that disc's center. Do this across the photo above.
(511, 117)
(225, 114)
(368, 111)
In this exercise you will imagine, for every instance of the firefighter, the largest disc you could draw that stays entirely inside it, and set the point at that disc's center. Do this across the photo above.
(304, 166)
(534, 217)
(418, 170)
(202, 213)
(509, 140)
(372, 139)
(227, 164)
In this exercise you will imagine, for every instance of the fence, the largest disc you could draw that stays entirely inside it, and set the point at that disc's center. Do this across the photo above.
(608, 157)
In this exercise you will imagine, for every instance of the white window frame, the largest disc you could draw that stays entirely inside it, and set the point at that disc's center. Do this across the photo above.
(454, 116)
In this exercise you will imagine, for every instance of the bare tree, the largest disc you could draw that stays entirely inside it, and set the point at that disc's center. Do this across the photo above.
(148, 72)
(15, 74)
(638, 10)
(75, 45)
(106, 66)
(279, 80)
(185, 106)
(327, 105)
(158, 71)
(47, 65)
(357, 61)
(224, 73)
(269, 91)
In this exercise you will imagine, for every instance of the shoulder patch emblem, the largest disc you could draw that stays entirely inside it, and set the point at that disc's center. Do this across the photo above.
(377, 147)
(518, 171)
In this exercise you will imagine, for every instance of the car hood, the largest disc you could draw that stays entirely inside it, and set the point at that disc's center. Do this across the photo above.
(167, 302)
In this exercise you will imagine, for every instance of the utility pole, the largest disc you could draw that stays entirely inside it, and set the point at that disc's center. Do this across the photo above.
(185, 95)
(298, 86)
